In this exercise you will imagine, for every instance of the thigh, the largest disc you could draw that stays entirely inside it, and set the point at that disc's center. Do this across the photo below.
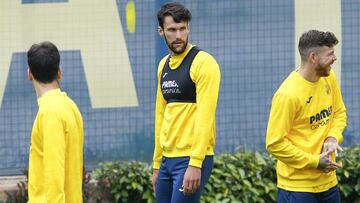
(285, 196)
(179, 197)
(330, 196)
(164, 184)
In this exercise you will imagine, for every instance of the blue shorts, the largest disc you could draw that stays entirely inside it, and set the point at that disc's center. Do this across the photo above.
(330, 196)
(170, 179)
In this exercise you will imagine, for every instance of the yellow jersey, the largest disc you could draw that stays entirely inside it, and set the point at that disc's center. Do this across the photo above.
(303, 115)
(188, 129)
(56, 151)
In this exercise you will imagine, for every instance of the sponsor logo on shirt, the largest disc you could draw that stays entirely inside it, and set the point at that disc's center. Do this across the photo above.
(327, 88)
(321, 118)
(170, 87)
(309, 100)
(169, 84)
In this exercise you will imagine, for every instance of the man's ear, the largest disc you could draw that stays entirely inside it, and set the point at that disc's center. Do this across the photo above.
(59, 73)
(29, 74)
(312, 57)
(161, 31)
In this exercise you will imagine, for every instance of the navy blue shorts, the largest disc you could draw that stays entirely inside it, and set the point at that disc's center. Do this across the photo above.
(330, 196)
(170, 179)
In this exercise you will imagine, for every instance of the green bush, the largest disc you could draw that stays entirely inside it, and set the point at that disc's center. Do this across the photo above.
(21, 194)
(349, 174)
(18, 196)
(125, 181)
(240, 177)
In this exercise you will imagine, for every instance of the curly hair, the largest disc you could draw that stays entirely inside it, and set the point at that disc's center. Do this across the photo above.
(314, 39)
(174, 9)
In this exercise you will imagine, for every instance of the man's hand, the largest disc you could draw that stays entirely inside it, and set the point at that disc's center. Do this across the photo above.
(154, 178)
(191, 180)
(332, 145)
(325, 163)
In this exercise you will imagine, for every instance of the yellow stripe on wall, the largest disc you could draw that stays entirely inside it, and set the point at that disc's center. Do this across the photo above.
(324, 15)
(130, 16)
(91, 26)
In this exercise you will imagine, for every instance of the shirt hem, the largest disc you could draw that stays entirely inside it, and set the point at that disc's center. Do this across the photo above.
(312, 189)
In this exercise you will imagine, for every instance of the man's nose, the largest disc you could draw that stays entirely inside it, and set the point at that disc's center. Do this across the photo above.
(178, 34)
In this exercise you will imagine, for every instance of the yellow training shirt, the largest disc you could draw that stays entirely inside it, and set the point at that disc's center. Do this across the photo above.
(56, 151)
(188, 129)
(303, 115)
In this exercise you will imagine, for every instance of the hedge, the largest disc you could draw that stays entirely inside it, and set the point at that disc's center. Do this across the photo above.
(240, 177)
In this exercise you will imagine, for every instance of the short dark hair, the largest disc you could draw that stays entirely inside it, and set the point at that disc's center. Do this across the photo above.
(315, 39)
(44, 60)
(174, 9)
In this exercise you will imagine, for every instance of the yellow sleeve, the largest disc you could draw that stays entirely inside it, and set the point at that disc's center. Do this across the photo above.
(339, 120)
(54, 148)
(282, 114)
(159, 115)
(206, 77)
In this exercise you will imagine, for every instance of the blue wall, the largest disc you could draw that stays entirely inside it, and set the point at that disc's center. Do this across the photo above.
(253, 41)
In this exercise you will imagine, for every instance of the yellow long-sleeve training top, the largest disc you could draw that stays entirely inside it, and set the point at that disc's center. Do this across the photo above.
(56, 151)
(303, 115)
(188, 129)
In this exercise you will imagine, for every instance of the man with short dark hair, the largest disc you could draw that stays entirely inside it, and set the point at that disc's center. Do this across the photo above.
(56, 151)
(187, 93)
(306, 122)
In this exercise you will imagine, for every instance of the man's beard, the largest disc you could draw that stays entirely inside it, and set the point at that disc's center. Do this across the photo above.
(173, 49)
(323, 71)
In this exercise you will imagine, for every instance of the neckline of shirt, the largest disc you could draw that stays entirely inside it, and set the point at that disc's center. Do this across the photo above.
(313, 84)
(177, 59)
(48, 94)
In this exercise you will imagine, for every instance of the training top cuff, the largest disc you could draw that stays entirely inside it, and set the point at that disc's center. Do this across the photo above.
(156, 165)
(195, 162)
(314, 161)
(337, 136)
